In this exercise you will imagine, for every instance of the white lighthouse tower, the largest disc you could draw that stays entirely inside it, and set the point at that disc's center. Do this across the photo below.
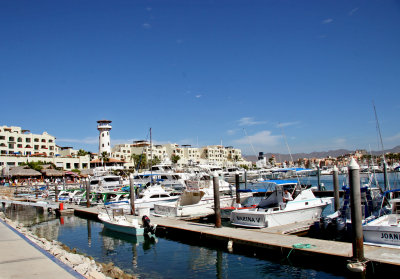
(104, 128)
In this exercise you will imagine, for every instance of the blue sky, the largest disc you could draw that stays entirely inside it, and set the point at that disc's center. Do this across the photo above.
(249, 74)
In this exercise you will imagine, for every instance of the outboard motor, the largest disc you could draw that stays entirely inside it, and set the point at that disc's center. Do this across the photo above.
(148, 228)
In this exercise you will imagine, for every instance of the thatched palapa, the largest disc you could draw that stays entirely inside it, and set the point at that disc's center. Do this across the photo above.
(24, 171)
(52, 172)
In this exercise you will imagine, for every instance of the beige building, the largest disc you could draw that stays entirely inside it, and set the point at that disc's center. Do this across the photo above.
(15, 141)
(215, 154)
(18, 146)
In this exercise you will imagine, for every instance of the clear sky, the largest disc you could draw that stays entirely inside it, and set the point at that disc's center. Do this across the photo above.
(249, 74)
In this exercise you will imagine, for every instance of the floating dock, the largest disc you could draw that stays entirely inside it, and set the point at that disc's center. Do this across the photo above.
(270, 243)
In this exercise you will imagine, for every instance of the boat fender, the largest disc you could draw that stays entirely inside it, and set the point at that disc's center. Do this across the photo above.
(356, 266)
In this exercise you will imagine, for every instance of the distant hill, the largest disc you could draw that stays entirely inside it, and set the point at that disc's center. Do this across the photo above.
(325, 154)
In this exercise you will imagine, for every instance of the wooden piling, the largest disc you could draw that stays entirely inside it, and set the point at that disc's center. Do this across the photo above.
(319, 178)
(56, 191)
(336, 188)
(356, 215)
(132, 192)
(217, 207)
(237, 184)
(87, 193)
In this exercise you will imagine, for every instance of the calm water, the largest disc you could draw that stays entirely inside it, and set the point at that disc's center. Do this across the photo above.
(166, 258)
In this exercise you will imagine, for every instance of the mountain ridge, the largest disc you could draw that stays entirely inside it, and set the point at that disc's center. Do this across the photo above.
(322, 154)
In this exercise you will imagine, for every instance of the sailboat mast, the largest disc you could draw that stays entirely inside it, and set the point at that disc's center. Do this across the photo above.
(151, 160)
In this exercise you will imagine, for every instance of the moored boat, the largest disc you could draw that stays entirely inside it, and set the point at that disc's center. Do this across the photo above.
(116, 221)
(273, 211)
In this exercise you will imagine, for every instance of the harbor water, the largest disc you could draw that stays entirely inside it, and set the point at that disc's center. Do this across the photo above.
(169, 257)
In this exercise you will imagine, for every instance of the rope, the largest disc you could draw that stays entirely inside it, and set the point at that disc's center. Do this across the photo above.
(300, 246)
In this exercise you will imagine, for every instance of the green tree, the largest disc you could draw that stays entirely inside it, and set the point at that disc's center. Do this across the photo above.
(140, 160)
(104, 156)
(175, 158)
(155, 161)
(82, 152)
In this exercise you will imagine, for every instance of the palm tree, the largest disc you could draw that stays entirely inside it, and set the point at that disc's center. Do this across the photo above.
(82, 152)
(104, 157)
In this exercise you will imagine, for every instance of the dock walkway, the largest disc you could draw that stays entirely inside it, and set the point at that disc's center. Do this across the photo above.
(268, 239)
(20, 258)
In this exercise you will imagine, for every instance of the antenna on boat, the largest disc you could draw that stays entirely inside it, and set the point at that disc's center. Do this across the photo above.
(249, 141)
(387, 186)
(151, 159)
(290, 154)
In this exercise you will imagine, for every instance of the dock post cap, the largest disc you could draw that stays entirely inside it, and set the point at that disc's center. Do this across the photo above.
(215, 174)
(353, 165)
(335, 168)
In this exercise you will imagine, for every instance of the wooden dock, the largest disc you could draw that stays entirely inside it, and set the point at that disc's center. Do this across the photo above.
(269, 243)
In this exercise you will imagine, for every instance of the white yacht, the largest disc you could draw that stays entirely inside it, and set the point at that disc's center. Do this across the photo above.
(272, 211)
(150, 195)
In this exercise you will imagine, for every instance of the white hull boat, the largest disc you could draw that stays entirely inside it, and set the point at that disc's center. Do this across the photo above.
(194, 204)
(147, 198)
(384, 230)
(124, 225)
(272, 211)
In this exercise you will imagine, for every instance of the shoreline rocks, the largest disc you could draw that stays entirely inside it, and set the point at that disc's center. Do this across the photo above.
(84, 265)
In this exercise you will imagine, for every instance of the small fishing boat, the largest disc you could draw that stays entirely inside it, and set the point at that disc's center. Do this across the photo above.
(272, 211)
(117, 221)
(384, 230)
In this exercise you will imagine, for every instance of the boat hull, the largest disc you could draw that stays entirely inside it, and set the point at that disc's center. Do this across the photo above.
(122, 225)
(380, 231)
(257, 219)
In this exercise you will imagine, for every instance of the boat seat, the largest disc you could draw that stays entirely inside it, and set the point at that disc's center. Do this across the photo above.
(392, 220)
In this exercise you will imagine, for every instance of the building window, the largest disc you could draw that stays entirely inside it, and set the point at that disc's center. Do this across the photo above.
(68, 165)
(2, 137)
(102, 145)
(27, 140)
(19, 139)
(43, 140)
(36, 140)
(11, 139)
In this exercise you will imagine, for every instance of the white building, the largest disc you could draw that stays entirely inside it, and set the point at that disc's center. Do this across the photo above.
(19, 146)
(104, 128)
(15, 141)
(215, 154)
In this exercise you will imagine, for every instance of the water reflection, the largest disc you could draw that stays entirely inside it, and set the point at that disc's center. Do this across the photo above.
(160, 258)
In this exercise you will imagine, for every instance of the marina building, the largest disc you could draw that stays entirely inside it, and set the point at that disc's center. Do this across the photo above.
(18, 146)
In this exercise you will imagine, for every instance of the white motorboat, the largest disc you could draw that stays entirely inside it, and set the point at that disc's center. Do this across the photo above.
(272, 211)
(384, 230)
(106, 182)
(195, 202)
(116, 221)
(147, 198)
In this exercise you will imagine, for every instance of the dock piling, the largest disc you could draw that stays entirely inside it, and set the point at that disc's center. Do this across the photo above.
(132, 192)
(217, 207)
(237, 184)
(319, 178)
(56, 191)
(356, 215)
(87, 192)
(336, 188)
